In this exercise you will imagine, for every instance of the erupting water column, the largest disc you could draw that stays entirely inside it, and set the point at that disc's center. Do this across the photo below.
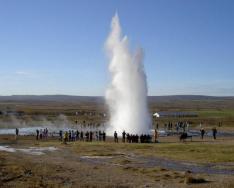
(127, 94)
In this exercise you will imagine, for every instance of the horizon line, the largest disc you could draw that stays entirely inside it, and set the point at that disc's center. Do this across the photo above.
(104, 96)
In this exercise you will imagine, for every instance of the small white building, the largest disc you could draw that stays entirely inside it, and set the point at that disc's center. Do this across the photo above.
(156, 114)
(174, 114)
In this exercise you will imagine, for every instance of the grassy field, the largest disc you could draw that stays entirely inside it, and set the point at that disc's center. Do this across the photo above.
(202, 152)
(115, 164)
(216, 113)
(210, 110)
(98, 164)
(206, 151)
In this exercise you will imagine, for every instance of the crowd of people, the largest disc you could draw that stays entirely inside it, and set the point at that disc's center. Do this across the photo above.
(42, 134)
(88, 136)
(214, 133)
(178, 126)
(133, 138)
(183, 127)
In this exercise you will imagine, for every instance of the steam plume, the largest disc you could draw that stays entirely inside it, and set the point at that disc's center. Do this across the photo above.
(127, 94)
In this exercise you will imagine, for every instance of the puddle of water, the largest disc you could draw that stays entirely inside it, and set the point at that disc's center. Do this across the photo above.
(30, 150)
(7, 149)
(95, 157)
(43, 148)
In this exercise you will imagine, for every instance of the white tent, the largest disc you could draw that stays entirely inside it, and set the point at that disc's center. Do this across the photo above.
(156, 115)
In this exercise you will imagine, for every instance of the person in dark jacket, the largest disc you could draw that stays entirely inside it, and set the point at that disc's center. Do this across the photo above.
(202, 133)
(123, 136)
(37, 132)
(16, 133)
(214, 131)
(115, 136)
(104, 136)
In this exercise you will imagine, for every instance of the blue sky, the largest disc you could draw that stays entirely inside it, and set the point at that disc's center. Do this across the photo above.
(57, 47)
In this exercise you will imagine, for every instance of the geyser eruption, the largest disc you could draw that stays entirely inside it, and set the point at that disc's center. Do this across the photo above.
(127, 94)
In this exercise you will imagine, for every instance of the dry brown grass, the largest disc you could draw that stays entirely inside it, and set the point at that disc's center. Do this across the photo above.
(64, 168)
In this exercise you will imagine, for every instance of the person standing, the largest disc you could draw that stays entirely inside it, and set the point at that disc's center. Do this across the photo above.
(40, 134)
(72, 136)
(69, 136)
(96, 135)
(100, 135)
(115, 136)
(104, 136)
(87, 136)
(81, 136)
(37, 132)
(77, 135)
(177, 127)
(65, 137)
(16, 133)
(214, 131)
(60, 135)
(90, 136)
(123, 136)
(202, 133)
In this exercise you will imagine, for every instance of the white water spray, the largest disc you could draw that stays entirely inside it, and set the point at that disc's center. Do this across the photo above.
(127, 94)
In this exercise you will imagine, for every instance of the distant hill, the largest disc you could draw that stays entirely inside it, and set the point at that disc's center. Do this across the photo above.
(70, 98)
(188, 97)
(51, 98)
(156, 103)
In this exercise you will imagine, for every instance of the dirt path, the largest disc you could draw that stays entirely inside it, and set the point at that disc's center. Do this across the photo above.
(149, 162)
(132, 160)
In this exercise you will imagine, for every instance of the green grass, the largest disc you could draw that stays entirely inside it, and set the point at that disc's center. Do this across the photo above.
(216, 113)
(197, 152)
(191, 152)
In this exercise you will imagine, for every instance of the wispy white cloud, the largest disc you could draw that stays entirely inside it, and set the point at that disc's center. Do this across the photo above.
(23, 73)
